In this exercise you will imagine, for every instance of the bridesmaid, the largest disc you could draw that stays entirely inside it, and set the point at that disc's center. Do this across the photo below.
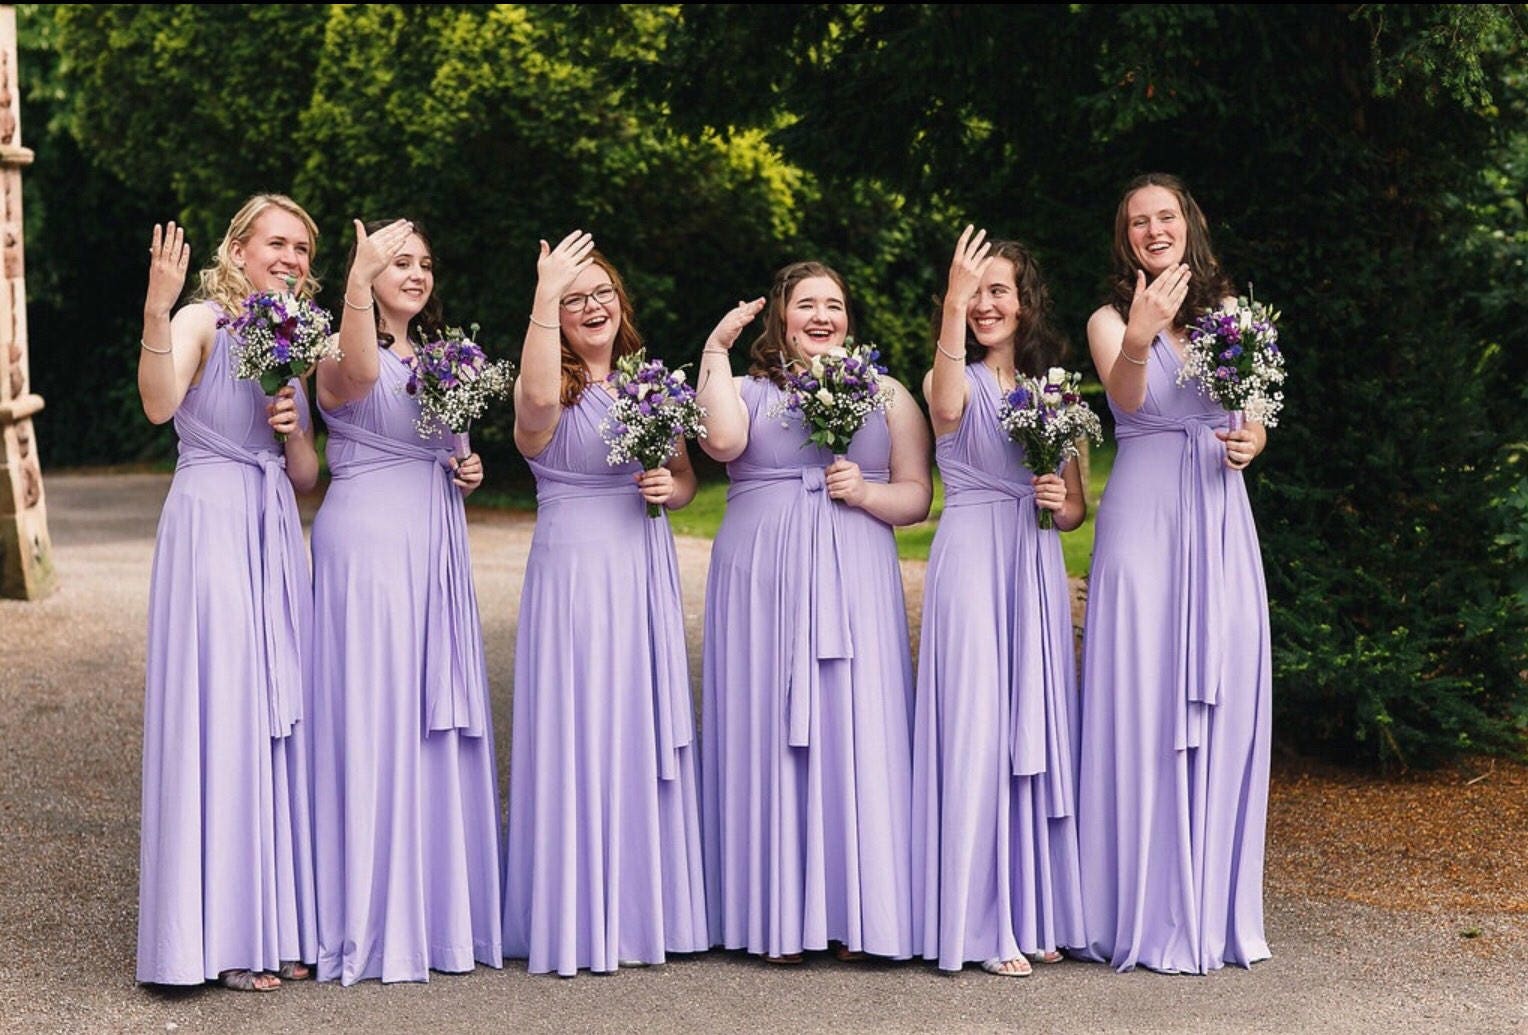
(406, 796)
(1176, 674)
(808, 687)
(604, 862)
(995, 873)
(226, 865)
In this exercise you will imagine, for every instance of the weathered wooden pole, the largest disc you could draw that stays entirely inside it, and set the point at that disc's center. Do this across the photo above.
(26, 555)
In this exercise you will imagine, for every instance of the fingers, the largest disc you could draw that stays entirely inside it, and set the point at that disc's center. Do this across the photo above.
(360, 231)
(577, 245)
(169, 245)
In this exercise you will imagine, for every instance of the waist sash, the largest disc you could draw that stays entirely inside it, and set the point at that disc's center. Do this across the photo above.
(1200, 618)
(673, 712)
(282, 564)
(455, 684)
(1039, 707)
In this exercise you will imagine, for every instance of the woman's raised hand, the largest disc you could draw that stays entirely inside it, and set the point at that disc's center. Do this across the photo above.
(169, 258)
(374, 251)
(1155, 305)
(731, 325)
(557, 268)
(968, 266)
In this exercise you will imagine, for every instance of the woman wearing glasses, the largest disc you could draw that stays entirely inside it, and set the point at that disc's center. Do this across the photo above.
(603, 862)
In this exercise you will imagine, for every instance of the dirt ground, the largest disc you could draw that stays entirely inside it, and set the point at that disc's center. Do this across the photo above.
(1393, 905)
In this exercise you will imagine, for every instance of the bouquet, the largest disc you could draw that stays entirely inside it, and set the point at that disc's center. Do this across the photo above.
(279, 336)
(654, 408)
(1046, 415)
(454, 381)
(835, 392)
(1234, 355)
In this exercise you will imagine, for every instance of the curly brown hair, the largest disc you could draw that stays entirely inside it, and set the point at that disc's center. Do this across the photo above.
(772, 353)
(1207, 286)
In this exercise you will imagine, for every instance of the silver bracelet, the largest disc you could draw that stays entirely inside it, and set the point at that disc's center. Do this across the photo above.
(1132, 359)
(548, 326)
(158, 352)
(939, 347)
(713, 351)
(361, 308)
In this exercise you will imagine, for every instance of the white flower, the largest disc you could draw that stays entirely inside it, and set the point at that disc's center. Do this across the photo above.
(825, 397)
(817, 367)
(1055, 376)
(679, 376)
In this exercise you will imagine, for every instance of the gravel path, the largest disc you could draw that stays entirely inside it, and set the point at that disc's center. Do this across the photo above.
(70, 720)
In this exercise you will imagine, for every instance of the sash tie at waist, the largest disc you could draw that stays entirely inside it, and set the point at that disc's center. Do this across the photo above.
(673, 712)
(1200, 620)
(1039, 707)
(455, 684)
(818, 622)
(283, 582)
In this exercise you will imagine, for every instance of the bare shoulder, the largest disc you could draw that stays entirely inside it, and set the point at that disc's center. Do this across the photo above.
(1103, 318)
(928, 384)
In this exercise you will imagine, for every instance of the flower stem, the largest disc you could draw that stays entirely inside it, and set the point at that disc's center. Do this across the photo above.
(654, 509)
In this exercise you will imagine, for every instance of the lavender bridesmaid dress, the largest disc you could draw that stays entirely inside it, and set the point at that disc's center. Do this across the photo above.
(226, 860)
(995, 869)
(603, 852)
(406, 796)
(1176, 692)
(807, 704)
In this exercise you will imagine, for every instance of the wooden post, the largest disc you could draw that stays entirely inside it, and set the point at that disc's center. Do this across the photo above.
(26, 555)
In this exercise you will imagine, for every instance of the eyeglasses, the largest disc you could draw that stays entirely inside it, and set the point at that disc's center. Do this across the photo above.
(601, 296)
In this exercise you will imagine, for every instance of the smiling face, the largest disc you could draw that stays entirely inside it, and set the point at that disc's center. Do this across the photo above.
(993, 312)
(278, 247)
(816, 316)
(405, 285)
(1155, 229)
(590, 330)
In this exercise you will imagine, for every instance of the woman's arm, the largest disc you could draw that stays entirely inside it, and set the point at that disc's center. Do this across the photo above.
(351, 376)
(171, 352)
(285, 416)
(673, 485)
(1244, 444)
(538, 389)
(718, 393)
(905, 499)
(946, 388)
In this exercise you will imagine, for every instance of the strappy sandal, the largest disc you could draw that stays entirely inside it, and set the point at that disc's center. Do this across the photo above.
(788, 960)
(294, 970)
(249, 981)
(846, 954)
(1051, 956)
(1016, 967)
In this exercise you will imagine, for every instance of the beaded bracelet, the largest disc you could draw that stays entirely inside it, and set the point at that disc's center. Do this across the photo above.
(939, 347)
(1128, 356)
(538, 323)
(158, 352)
(361, 308)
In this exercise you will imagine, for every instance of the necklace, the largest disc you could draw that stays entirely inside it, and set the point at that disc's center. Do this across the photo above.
(997, 375)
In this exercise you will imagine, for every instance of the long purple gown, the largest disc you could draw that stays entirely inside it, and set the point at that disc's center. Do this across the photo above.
(995, 869)
(406, 798)
(603, 852)
(807, 704)
(226, 858)
(1176, 692)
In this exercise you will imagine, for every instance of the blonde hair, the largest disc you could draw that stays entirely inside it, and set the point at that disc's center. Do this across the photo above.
(225, 283)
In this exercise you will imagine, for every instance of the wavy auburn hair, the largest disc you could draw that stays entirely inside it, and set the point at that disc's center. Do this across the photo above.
(575, 375)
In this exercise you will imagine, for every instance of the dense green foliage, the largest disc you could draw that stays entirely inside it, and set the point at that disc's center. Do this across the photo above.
(1363, 166)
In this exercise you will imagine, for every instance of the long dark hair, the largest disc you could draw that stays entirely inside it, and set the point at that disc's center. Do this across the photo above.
(1209, 283)
(430, 322)
(772, 352)
(1037, 344)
